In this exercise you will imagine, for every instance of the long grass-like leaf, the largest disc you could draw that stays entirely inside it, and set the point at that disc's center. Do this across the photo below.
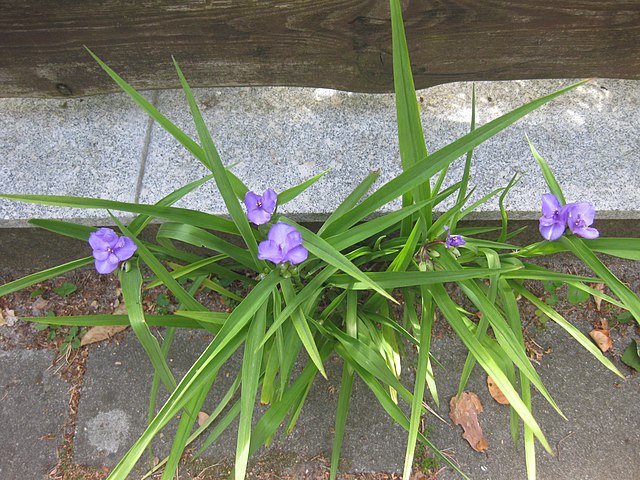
(251, 366)
(351, 201)
(131, 282)
(214, 163)
(584, 253)
(43, 275)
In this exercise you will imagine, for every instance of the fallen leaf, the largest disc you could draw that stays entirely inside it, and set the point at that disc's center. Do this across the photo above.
(121, 309)
(496, 393)
(2, 322)
(599, 287)
(9, 318)
(202, 417)
(100, 333)
(602, 338)
(464, 411)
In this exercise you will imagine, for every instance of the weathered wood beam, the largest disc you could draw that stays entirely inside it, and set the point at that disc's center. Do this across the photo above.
(343, 44)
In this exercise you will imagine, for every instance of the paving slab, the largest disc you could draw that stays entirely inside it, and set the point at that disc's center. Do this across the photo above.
(279, 137)
(89, 147)
(33, 409)
(114, 399)
(598, 441)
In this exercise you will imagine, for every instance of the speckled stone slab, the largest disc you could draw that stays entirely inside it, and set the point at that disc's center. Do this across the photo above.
(87, 147)
(33, 408)
(278, 137)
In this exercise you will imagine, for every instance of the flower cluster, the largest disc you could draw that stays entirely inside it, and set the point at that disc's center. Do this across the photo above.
(556, 218)
(284, 242)
(109, 249)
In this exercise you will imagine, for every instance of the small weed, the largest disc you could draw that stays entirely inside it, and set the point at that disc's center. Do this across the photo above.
(162, 304)
(66, 289)
(69, 339)
(423, 462)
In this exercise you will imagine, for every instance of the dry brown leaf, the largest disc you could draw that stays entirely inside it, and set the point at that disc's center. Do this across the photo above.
(9, 318)
(496, 393)
(599, 287)
(100, 333)
(202, 417)
(121, 309)
(464, 411)
(602, 338)
(2, 322)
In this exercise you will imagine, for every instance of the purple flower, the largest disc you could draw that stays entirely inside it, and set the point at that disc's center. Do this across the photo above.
(453, 241)
(260, 207)
(109, 249)
(284, 244)
(579, 217)
(553, 221)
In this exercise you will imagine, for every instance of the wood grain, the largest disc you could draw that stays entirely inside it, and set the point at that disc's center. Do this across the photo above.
(343, 44)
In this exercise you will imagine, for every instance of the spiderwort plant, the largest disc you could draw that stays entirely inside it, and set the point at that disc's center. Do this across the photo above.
(341, 298)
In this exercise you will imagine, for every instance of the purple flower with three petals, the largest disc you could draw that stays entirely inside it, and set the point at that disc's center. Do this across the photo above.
(553, 221)
(283, 244)
(109, 249)
(579, 218)
(260, 207)
(453, 241)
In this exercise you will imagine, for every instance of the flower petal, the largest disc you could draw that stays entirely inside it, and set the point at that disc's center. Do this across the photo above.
(584, 210)
(108, 265)
(101, 255)
(587, 232)
(552, 231)
(258, 216)
(296, 255)
(270, 250)
(125, 248)
(251, 200)
(279, 232)
(103, 238)
(550, 204)
(269, 200)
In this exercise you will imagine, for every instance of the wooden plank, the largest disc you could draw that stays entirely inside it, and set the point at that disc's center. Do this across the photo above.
(343, 44)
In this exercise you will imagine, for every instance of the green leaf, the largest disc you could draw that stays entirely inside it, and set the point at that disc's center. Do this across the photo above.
(325, 251)
(131, 282)
(584, 253)
(567, 326)
(576, 296)
(214, 163)
(43, 275)
(631, 356)
(346, 386)
(226, 342)
(293, 192)
(413, 278)
(251, 367)
(199, 237)
(351, 201)
(182, 215)
(485, 359)
(302, 327)
(154, 264)
(552, 183)
(66, 289)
